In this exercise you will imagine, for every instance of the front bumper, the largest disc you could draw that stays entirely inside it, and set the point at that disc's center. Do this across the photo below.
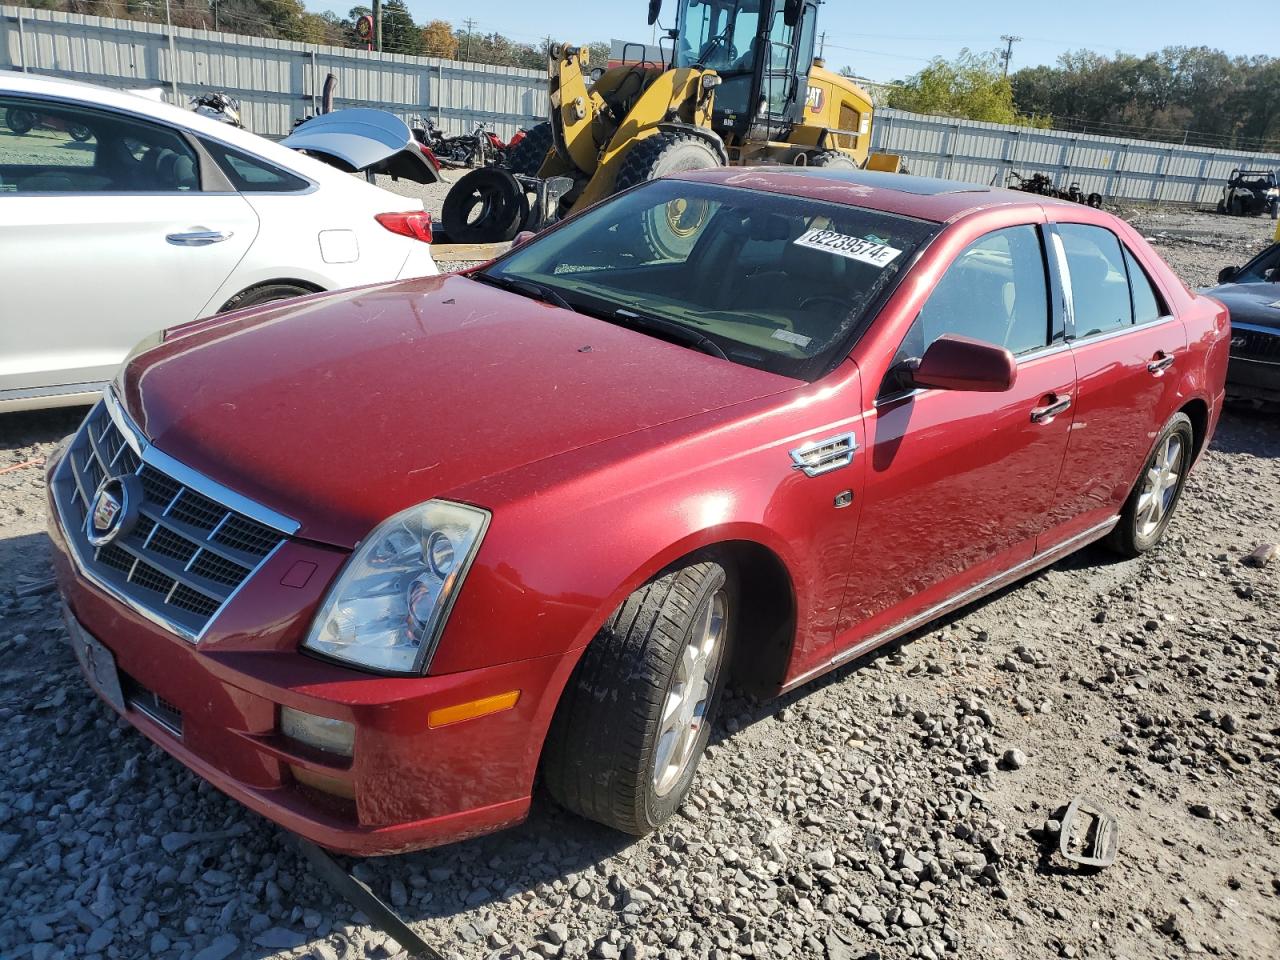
(1249, 378)
(409, 786)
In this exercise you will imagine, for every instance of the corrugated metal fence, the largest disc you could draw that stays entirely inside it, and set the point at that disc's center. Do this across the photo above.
(1114, 167)
(277, 81)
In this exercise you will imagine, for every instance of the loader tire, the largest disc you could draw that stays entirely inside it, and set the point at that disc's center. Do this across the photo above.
(832, 160)
(670, 232)
(531, 152)
(485, 206)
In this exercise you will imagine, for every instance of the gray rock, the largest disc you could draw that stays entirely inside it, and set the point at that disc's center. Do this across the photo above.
(8, 843)
(221, 948)
(1013, 759)
(280, 938)
(159, 943)
(1203, 811)
(99, 940)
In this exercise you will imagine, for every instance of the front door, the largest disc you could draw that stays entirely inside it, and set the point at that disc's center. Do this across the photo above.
(959, 485)
(1126, 347)
(107, 236)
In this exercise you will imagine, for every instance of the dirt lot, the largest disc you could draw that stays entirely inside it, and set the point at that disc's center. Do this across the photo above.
(901, 807)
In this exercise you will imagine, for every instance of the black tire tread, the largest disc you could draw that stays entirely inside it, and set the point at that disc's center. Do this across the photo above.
(597, 753)
(833, 159)
(531, 152)
(1123, 539)
(640, 162)
(265, 293)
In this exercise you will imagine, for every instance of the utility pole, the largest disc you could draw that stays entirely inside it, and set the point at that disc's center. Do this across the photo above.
(470, 24)
(1009, 40)
(377, 25)
(822, 46)
(173, 55)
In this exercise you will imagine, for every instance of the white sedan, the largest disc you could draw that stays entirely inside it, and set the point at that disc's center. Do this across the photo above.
(120, 216)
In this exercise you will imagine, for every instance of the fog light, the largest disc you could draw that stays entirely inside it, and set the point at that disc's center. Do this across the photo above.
(322, 733)
(318, 781)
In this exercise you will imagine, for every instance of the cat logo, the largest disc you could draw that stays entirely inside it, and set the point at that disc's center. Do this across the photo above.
(816, 100)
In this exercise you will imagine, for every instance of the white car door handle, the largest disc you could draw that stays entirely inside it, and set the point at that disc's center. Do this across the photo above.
(198, 237)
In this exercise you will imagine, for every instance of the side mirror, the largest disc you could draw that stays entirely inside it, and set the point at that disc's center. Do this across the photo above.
(1228, 274)
(791, 12)
(959, 363)
(523, 237)
(655, 10)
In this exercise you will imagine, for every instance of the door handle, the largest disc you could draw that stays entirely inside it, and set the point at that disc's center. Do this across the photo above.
(199, 237)
(1045, 414)
(1162, 363)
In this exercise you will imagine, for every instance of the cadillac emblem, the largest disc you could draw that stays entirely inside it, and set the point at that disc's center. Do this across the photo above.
(111, 513)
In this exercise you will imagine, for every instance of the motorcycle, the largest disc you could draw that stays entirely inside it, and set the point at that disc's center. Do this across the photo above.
(218, 106)
(482, 148)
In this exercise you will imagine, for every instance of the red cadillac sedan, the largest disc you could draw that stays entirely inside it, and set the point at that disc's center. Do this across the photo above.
(372, 561)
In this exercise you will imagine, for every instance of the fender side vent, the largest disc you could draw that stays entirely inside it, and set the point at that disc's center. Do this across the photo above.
(823, 456)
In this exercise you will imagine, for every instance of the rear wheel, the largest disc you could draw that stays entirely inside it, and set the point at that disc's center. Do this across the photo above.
(833, 160)
(485, 206)
(266, 293)
(528, 156)
(19, 121)
(636, 715)
(669, 231)
(1150, 506)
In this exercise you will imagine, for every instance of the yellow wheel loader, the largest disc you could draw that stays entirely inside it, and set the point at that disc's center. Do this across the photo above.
(738, 89)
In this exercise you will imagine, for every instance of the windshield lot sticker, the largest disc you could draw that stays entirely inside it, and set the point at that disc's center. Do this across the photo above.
(798, 339)
(852, 248)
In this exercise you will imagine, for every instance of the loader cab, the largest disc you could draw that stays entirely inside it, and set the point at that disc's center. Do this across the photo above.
(762, 50)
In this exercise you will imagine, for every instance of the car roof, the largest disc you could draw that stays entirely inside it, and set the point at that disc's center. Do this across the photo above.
(94, 95)
(926, 198)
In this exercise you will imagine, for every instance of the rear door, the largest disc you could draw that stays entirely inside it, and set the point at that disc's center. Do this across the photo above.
(109, 233)
(959, 485)
(1127, 347)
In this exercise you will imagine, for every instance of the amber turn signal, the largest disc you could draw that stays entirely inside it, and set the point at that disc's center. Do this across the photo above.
(472, 709)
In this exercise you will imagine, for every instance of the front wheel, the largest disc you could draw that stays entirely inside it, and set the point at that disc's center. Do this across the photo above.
(1150, 506)
(19, 121)
(636, 715)
(833, 160)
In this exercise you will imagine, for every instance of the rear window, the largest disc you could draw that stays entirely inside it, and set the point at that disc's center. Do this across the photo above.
(777, 282)
(251, 174)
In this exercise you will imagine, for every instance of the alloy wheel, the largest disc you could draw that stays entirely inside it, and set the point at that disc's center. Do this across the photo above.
(685, 708)
(1160, 486)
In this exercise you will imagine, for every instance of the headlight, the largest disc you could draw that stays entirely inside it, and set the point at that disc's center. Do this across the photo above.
(389, 606)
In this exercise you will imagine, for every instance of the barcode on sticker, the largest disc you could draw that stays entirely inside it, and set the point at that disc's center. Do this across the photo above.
(852, 248)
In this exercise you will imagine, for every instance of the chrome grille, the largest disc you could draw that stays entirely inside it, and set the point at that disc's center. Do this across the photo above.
(187, 553)
(1248, 342)
(823, 456)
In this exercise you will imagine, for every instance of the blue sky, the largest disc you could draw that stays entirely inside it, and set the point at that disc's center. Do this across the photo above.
(887, 41)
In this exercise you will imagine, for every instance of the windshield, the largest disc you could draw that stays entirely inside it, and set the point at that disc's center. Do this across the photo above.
(719, 35)
(774, 282)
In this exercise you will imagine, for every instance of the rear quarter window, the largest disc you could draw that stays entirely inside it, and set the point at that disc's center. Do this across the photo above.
(253, 174)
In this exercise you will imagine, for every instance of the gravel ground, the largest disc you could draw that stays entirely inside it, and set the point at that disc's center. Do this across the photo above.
(904, 806)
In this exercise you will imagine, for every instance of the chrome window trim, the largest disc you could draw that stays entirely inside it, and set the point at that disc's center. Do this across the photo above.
(1122, 331)
(57, 390)
(189, 478)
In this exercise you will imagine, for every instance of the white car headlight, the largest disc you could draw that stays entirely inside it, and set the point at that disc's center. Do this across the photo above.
(389, 605)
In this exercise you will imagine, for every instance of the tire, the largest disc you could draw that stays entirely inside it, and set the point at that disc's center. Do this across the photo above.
(19, 121)
(485, 206)
(832, 160)
(267, 293)
(1222, 206)
(669, 233)
(530, 154)
(79, 132)
(1138, 531)
(606, 752)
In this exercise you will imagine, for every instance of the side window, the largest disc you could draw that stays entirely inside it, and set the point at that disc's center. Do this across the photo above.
(51, 147)
(1147, 305)
(996, 291)
(1099, 279)
(250, 174)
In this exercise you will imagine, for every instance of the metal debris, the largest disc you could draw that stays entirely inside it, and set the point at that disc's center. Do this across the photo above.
(1089, 836)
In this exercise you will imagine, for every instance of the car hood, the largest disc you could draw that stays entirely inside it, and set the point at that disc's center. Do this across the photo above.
(1257, 303)
(341, 410)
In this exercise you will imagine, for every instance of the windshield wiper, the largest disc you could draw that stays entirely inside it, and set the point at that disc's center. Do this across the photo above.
(528, 288)
(669, 328)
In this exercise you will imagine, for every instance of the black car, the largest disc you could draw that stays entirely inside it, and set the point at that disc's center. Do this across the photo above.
(1252, 294)
(1249, 192)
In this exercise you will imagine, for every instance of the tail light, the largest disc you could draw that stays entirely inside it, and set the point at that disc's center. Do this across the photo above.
(415, 224)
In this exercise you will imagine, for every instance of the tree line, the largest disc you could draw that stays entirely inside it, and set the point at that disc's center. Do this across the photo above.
(289, 20)
(1192, 95)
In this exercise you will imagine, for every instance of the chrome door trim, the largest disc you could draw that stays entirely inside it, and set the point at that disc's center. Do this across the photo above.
(958, 600)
